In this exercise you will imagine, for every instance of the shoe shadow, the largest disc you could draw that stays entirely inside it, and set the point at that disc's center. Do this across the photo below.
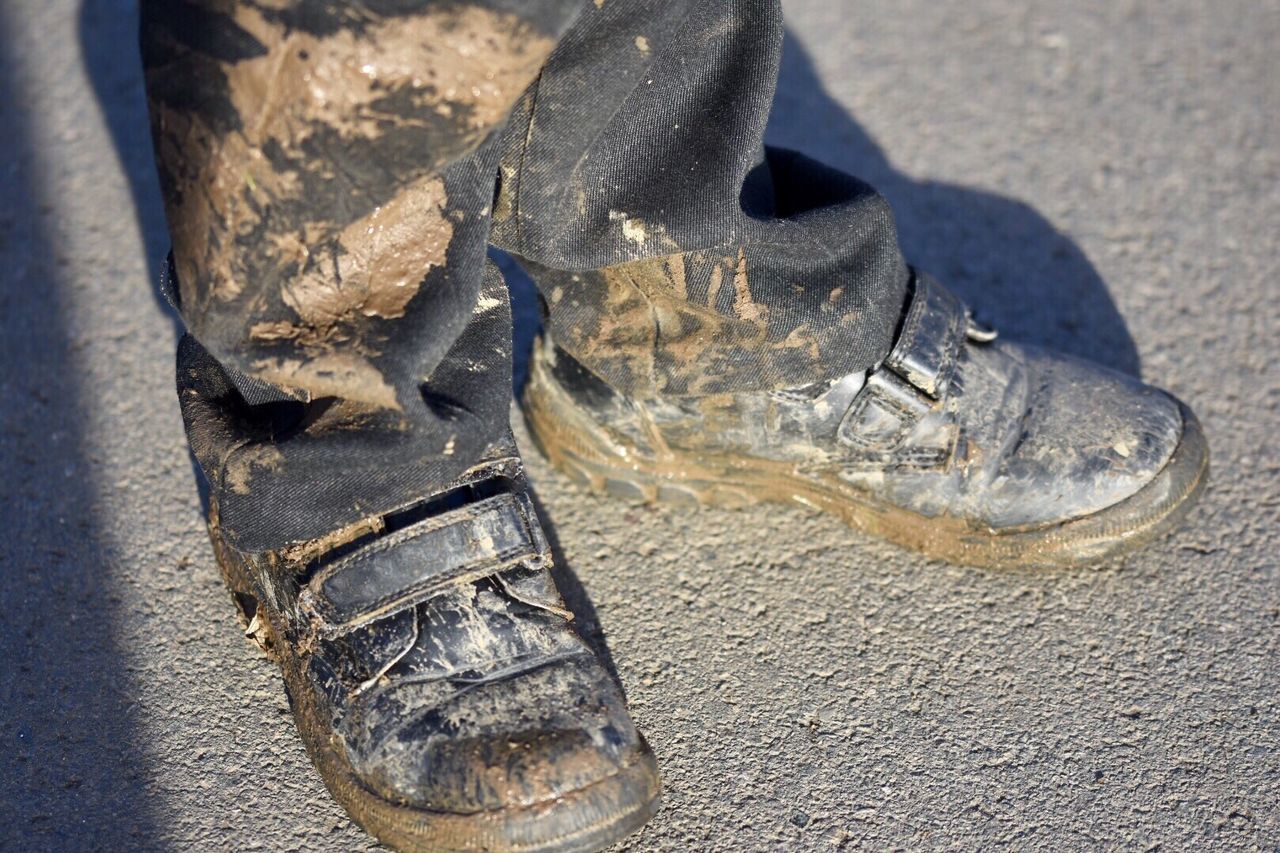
(585, 619)
(1015, 269)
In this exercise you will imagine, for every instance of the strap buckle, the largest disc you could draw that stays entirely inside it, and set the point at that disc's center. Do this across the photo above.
(911, 383)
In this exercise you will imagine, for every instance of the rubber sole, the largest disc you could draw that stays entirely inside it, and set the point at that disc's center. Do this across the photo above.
(590, 454)
(587, 820)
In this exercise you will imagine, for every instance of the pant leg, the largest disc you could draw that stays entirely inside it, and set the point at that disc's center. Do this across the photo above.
(674, 253)
(328, 171)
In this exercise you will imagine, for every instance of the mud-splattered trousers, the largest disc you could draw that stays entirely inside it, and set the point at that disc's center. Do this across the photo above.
(333, 172)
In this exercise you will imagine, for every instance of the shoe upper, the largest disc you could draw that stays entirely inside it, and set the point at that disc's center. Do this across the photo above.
(951, 423)
(444, 657)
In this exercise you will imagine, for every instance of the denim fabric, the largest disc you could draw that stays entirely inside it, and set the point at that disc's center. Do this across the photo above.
(333, 171)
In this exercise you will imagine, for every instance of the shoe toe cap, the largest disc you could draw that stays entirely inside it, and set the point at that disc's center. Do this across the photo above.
(1088, 439)
(509, 742)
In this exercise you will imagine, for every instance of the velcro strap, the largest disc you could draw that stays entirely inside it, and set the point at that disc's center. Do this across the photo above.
(932, 333)
(419, 562)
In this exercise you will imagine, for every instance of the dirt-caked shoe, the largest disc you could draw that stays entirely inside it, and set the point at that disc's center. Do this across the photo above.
(961, 447)
(437, 682)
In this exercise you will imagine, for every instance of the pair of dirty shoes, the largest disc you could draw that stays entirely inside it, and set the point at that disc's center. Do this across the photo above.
(433, 670)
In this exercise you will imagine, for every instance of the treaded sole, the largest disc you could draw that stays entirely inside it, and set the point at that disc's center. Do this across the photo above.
(581, 448)
(589, 819)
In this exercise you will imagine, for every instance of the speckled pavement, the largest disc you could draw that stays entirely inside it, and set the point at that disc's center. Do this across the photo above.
(1100, 176)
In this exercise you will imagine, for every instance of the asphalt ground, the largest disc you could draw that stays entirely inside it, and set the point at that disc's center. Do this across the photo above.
(1099, 176)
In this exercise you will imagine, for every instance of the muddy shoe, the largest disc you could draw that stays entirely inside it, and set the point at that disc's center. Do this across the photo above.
(960, 447)
(437, 683)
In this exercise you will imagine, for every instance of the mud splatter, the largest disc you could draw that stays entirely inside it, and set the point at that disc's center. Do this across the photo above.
(301, 182)
(676, 272)
(639, 232)
(743, 304)
(300, 554)
(653, 325)
(339, 374)
(239, 469)
(713, 288)
(382, 261)
(634, 230)
(463, 56)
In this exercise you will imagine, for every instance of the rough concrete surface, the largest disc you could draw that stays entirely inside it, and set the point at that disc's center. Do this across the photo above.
(1101, 176)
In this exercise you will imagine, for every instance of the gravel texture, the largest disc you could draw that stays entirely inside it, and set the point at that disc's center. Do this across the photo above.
(1100, 176)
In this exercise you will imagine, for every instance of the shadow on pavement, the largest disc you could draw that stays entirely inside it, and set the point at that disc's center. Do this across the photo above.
(1015, 269)
(108, 32)
(109, 47)
(74, 770)
(585, 618)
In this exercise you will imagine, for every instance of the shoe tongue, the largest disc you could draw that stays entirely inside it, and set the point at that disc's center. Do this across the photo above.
(318, 554)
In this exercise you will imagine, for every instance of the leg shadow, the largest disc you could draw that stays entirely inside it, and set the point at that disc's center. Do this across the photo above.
(108, 31)
(74, 776)
(1011, 265)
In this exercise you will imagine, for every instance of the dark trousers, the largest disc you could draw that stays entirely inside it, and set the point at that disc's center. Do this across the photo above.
(333, 172)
